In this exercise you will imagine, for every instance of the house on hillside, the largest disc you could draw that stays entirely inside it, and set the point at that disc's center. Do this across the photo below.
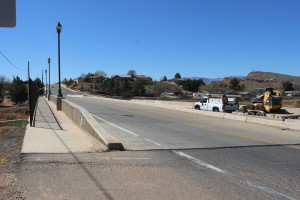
(79, 80)
(143, 78)
(122, 77)
(178, 81)
(94, 79)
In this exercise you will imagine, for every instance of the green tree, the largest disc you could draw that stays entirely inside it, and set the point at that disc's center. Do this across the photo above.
(138, 88)
(215, 87)
(124, 86)
(192, 85)
(3, 80)
(65, 81)
(234, 84)
(131, 72)
(101, 73)
(40, 85)
(83, 75)
(164, 78)
(17, 90)
(177, 75)
(109, 86)
(287, 86)
(1, 93)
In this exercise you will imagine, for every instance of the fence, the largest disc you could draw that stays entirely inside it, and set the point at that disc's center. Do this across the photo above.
(33, 97)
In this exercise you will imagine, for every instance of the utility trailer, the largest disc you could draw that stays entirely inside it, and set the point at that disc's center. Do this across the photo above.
(281, 113)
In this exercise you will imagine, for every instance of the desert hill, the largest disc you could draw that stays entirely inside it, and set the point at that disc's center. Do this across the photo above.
(260, 79)
(273, 76)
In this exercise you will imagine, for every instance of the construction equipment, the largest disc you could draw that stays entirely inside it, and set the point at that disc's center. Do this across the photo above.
(269, 101)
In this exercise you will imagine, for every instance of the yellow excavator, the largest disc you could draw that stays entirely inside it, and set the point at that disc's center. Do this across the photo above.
(269, 101)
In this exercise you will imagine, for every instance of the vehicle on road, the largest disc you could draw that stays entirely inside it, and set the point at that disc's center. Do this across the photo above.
(218, 103)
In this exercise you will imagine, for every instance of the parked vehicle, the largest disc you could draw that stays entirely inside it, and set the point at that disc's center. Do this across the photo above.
(217, 104)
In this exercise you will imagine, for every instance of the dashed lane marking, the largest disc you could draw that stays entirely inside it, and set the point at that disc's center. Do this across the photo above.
(232, 176)
(125, 130)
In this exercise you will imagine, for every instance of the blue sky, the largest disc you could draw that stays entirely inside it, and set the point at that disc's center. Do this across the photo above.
(204, 38)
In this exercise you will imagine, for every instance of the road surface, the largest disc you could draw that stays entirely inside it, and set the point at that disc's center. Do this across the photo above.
(171, 155)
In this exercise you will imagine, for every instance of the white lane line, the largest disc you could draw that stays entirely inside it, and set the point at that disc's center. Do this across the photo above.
(239, 179)
(127, 131)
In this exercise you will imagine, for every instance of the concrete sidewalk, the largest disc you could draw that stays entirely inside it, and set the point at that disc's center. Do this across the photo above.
(54, 132)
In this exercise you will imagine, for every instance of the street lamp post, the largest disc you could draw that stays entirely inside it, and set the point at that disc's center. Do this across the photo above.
(49, 90)
(43, 80)
(46, 81)
(58, 29)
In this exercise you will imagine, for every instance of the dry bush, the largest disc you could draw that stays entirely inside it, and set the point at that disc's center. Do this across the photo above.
(12, 116)
(12, 113)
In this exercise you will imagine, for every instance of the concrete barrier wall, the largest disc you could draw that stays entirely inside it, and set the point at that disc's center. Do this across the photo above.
(53, 98)
(82, 118)
(88, 123)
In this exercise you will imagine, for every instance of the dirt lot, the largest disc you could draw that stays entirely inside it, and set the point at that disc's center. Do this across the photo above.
(11, 139)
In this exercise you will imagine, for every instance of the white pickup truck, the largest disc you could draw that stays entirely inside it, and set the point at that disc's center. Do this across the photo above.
(221, 104)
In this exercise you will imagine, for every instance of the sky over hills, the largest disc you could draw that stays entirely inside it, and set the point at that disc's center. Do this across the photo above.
(197, 38)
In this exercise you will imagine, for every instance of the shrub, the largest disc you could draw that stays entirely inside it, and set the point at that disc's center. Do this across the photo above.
(127, 95)
(17, 90)
(1, 93)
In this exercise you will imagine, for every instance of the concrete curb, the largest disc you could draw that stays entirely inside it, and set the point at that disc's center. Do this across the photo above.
(184, 107)
(75, 95)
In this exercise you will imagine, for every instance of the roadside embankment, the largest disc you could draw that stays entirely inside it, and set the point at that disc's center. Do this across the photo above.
(84, 120)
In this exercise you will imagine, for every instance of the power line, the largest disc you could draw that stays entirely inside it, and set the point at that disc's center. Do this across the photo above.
(11, 62)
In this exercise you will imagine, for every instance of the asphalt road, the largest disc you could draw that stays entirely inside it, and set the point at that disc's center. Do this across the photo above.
(144, 128)
(173, 155)
(65, 92)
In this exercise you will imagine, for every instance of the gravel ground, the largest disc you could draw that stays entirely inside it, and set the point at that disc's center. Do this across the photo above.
(11, 139)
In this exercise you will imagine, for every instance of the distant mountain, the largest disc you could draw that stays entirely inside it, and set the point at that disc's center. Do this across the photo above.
(236, 77)
(206, 80)
(257, 76)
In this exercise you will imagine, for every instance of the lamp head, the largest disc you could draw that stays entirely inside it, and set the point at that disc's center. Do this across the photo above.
(58, 27)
